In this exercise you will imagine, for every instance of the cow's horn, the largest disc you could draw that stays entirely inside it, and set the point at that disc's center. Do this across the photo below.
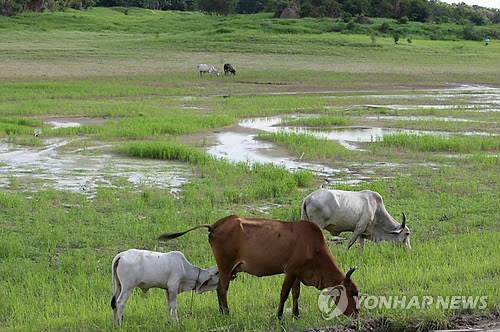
(350, 272)
(404, 221)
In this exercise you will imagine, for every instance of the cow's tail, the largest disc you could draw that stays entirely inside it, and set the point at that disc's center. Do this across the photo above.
(117, 286)
(170, 236)
(303, 213)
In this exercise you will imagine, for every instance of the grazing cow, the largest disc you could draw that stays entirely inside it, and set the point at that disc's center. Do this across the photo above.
(267, 247)
(204, 68)
(361, 212)
(228, 69)
(148, 269)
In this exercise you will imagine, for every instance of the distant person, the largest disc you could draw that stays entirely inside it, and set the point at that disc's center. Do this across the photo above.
(486, 40)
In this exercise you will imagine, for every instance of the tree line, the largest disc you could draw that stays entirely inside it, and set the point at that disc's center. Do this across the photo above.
(402, 10)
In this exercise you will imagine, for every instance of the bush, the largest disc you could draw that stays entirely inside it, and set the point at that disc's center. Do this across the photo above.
(338, 27)
(384, 27)
(347, 17)
(351, 26)
(436, 35)
(362, 19)
(396, 37)
(470, 33)
(403, 20)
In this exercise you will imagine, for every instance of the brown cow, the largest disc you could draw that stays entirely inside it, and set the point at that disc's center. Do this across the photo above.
(267, 247)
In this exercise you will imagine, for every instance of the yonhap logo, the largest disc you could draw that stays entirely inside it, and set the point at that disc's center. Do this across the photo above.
(333, 302)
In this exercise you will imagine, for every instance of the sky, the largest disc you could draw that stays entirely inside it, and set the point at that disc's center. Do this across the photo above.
(484, 3)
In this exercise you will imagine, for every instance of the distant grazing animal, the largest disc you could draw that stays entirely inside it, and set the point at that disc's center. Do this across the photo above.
(148, 269)
(264, 247)
(360, 212)
(204, 68)
(228, 69)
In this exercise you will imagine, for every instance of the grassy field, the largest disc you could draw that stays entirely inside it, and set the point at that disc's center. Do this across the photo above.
(136, 72)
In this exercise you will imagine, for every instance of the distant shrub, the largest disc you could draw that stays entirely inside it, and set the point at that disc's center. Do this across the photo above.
(362, 19)
(384, 27)
(338, 27)
(347, 17)
(351, 26)
(436, 35)
(470, 33)
(396, 37)
(403, 20)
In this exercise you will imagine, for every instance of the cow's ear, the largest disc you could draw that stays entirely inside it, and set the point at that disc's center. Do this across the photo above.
(403, 224)
(199, 289)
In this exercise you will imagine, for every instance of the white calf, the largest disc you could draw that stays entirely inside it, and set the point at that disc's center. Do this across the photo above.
(148, 269)
(204, 68)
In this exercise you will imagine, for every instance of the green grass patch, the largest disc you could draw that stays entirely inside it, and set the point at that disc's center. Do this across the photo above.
(7, 129)
(172, 123)
(441, 125)
(164, 151)
(308, 146)
(434, 143)
(26, 140)
(321, 121)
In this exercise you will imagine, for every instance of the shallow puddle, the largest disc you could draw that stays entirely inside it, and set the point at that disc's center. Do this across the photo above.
(72, 122)
(245, 148)
(33, 169)
(467, 97)
(240, 147)
(420, 118)
(346, 136)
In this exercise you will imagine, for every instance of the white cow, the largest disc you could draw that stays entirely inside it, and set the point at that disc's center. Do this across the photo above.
(204, 68)
(148, 269)
(362, 213)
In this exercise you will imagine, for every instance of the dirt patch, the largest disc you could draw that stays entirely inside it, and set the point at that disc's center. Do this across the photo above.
(487, 322)
(482, 322)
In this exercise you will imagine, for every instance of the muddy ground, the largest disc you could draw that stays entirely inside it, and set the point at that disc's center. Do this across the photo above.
(459, 323)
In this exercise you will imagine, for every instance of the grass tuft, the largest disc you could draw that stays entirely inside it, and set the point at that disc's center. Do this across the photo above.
(433, 143)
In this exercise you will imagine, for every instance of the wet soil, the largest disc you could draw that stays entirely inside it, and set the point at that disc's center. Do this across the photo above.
(480, 322)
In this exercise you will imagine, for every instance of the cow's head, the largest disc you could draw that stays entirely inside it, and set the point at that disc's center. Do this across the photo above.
(352, 293)
(208, 281)
(402, 235)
